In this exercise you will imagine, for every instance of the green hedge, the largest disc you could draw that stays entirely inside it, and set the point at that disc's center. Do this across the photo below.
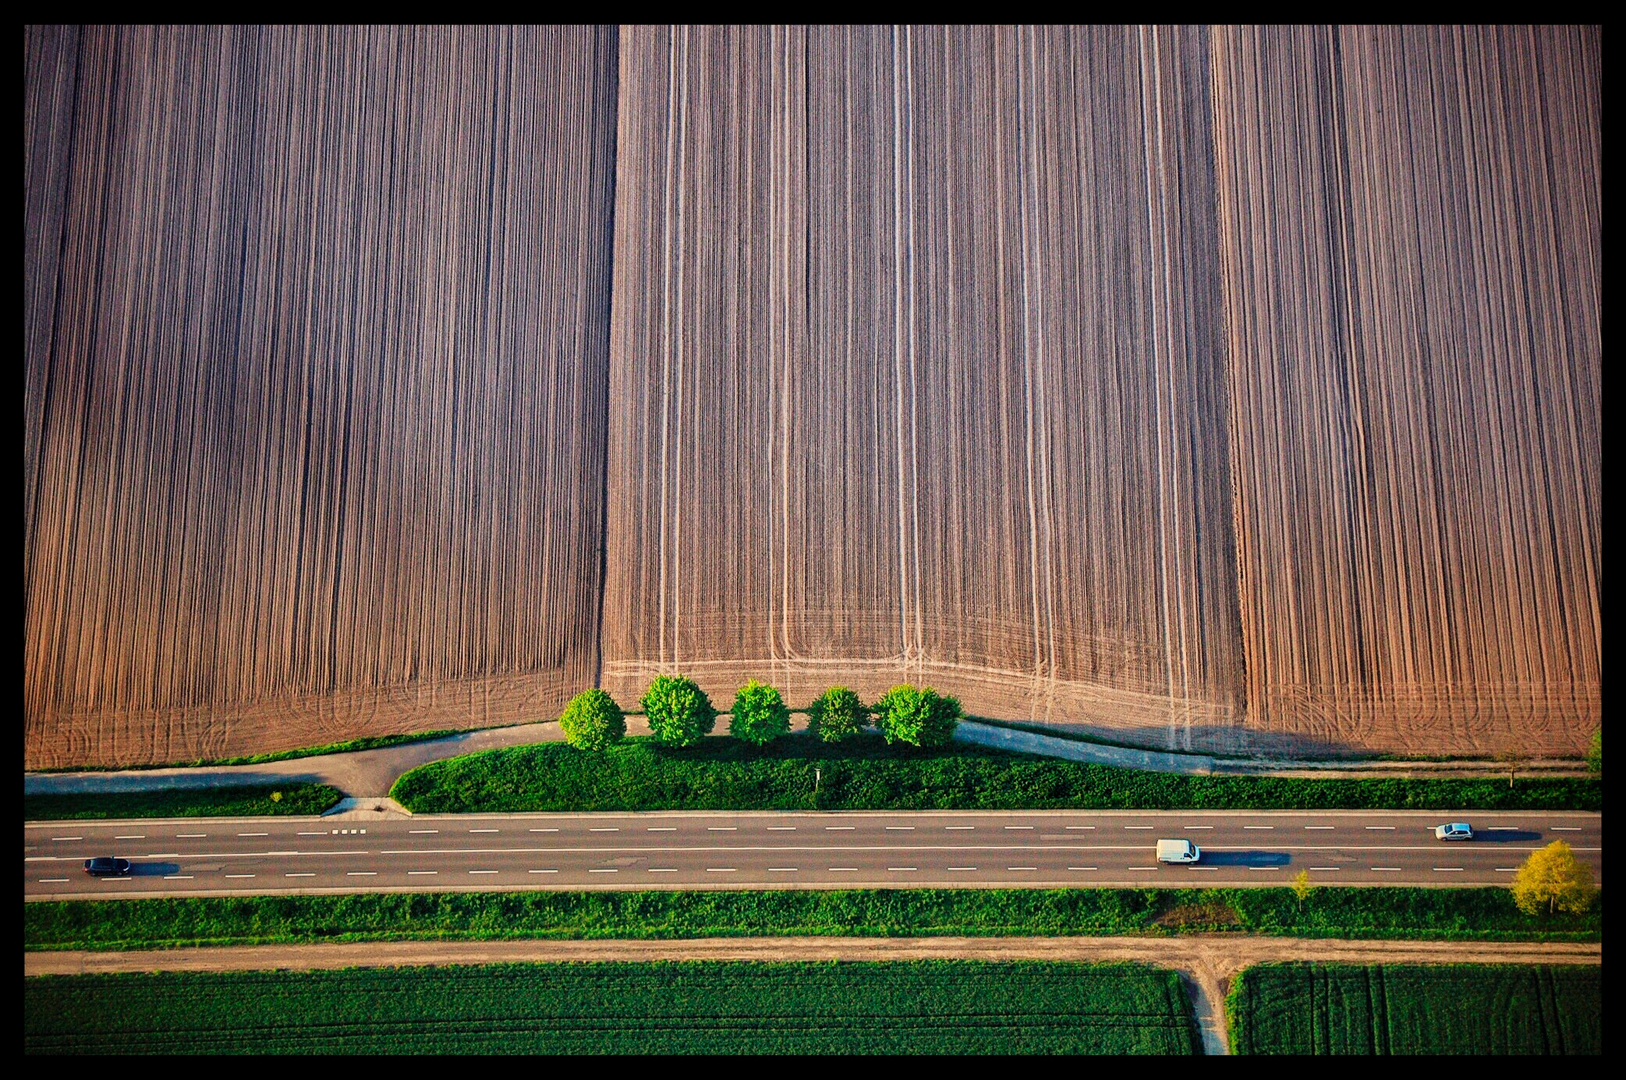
(1471, 1009)
(198, 802)
(681, 1007)
(863, 773)
(1486, 913)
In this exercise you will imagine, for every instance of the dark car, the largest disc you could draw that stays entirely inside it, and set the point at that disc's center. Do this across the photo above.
(107, 865)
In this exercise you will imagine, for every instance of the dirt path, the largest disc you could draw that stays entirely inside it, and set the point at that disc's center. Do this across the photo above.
(370, 773)
(1205, 961)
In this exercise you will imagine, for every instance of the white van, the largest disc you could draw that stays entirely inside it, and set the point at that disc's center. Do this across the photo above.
(1178, 851)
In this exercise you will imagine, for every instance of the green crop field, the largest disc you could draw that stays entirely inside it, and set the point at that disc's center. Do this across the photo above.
(1483, 914)
(925, 1007)
(183, 802)
(1392, 1009)
(866, 774)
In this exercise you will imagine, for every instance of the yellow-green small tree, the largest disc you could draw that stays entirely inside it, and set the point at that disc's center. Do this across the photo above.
(1552, 879)
(759, 715)
(592, 721)
(1302, 887)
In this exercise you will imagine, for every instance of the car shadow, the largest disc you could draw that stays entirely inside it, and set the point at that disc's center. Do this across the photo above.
(153, 869)
(1246, 858)
(1503, 836)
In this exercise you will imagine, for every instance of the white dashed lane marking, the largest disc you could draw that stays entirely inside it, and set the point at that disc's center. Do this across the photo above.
(482, 830)
(720, 870)
(652, 870)
(301, 874)
(541, 871)
(782, 869)
(962, 868)
(132, 836)
(1258, 826)
(781, 828)
(51, 880)
(1380, 828)
(59, 839)
(482, 871)
(253, 834)
(417, 832)
(414, 873)
(177, 877)
(602, 871)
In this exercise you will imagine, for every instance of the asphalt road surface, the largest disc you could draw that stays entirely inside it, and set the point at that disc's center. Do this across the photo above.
(720, 850)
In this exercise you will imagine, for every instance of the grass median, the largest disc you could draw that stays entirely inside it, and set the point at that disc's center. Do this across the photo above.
(1444, 914)
(867, 774)
(1473, 1009)
(673, 1007)
(278, 799)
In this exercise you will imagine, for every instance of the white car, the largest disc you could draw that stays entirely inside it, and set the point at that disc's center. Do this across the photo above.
(1459, 830)
(1178, 851)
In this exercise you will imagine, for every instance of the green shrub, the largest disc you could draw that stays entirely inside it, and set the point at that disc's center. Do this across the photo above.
(864, 773)
(592, 721)
(836, 714)
(1594, 753)
(284, 799)
(759, 715)
(919, 717)
(1418, 913)
(678, 711)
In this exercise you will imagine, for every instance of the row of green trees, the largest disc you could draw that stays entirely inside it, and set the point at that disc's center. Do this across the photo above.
(680, 714)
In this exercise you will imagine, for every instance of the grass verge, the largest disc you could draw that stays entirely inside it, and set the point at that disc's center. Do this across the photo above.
(675, 1007)
(1301, 1008)
(867, 774)
(1486, 914)
(195, 802)
(348, 746)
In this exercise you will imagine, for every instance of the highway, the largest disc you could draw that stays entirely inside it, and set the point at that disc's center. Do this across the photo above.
(723, 850)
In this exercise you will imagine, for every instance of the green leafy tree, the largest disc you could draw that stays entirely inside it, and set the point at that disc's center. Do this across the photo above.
(678, 711)
(592, 721)
(919, 717)
(759, 715)
(1553, 879)
(1594, 753)
(836, 714)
